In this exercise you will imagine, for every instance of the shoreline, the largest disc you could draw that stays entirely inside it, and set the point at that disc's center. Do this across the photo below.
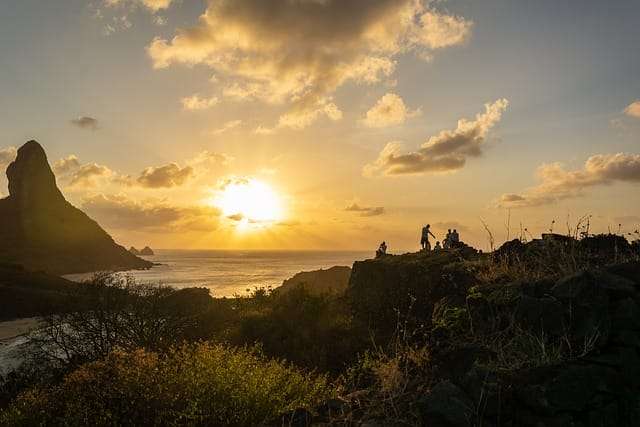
(12, 329)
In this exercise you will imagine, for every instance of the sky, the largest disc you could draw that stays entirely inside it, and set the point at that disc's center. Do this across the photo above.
(329, 124)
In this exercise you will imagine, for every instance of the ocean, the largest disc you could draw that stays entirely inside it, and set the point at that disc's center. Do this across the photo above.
(231, 272)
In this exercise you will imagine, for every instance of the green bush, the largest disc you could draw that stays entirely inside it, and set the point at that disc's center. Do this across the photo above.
(201, 384)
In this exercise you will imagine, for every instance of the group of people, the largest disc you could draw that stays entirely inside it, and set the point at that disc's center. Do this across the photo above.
(451, 240)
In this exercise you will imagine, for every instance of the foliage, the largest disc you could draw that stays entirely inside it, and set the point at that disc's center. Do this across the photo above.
(313, 331)
(112, 311)
(201, 384)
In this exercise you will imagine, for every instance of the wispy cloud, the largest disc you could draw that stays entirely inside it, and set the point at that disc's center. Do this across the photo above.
(85, 122)
(365, 210)
(197, 103)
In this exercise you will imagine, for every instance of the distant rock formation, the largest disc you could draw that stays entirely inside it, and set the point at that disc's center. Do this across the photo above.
(40, 230)
(134, 251)
(331, 281)
(147, 251)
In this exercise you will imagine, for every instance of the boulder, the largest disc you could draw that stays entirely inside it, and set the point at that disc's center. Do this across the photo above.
(446, 406)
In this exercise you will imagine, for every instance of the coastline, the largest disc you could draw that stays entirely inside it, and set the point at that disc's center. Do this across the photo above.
(12, 329)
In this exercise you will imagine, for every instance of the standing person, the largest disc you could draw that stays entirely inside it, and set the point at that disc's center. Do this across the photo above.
(424, 241)
(455, 237)
(382, 250)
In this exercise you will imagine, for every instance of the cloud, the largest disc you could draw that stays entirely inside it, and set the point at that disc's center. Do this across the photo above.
(390, 110)
(440, 31)
(85, 122)
(445, 152)
(557, 184)
(196, 103)
(7, 155)
(232, 124)
(365, 210)
(633, 109)
(152, 5)
(300, 52)
(86, 175)
(120, 212)
(66, 165)
(170, 175)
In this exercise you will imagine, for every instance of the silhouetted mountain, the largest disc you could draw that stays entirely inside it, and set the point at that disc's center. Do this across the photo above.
(42, 231)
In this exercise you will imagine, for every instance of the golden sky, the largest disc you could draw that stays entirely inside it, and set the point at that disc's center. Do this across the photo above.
(328, 124)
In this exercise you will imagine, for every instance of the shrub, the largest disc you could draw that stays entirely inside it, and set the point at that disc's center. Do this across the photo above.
(113, 311)
(201, 384)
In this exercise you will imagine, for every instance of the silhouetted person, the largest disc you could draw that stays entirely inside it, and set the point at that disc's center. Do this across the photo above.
(382, 250)
(455, 237)
(447, 240)
(437, 247)
(424, 240)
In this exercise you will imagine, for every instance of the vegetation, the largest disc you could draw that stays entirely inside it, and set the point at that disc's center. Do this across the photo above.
(200, 384)
(411, 332)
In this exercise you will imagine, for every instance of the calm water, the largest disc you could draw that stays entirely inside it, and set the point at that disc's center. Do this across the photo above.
(229, 272)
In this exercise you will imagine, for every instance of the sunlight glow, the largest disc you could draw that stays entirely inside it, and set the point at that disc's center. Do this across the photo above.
(250, 203)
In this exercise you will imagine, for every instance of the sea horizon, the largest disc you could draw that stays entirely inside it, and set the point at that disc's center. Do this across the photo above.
(230, 272)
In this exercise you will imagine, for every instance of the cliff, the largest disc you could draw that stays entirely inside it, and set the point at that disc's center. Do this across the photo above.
(330, 281)
(42, 231)
(504, 343)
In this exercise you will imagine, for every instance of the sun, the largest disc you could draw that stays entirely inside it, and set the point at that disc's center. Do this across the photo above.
(249, 202)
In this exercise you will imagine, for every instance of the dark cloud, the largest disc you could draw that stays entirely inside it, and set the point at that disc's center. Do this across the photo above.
(167, 176)
(85, 122)
(86, 175)
(448, 151)
(556, 183)
(301, 51)
(120, 212)
(365, 210)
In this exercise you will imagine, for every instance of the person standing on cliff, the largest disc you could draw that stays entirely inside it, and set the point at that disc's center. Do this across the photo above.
(424, 241)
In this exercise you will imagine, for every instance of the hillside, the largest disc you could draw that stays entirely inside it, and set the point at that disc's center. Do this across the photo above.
(333, 280)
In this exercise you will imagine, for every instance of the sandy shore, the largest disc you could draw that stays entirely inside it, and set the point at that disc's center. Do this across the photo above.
(15, 328)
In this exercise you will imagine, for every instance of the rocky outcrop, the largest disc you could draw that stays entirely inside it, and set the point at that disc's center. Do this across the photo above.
(134, 251)
(330, 281)
(42, 231)
(380, 289)
(147, 251)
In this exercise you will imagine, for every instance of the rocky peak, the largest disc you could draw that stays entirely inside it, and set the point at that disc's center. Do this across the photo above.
(31, 180)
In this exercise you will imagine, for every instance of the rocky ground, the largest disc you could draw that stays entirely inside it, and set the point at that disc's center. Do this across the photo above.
(499, 347)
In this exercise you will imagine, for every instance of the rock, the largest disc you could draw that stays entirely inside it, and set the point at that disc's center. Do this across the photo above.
(147, 251)
(331, 281)
(42, 231)
(540, 315)
(134, 251)
(381, 288)
(446, 406)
